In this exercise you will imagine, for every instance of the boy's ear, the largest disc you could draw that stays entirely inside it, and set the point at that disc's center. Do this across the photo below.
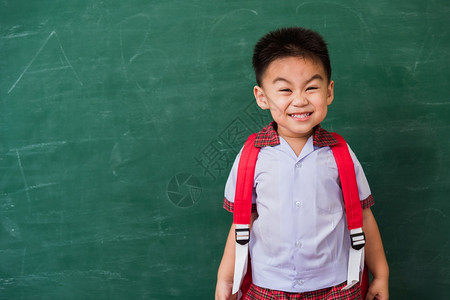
(260, 97)
(330, 92)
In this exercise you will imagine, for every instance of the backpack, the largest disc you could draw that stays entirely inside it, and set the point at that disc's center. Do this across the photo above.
(243, 206)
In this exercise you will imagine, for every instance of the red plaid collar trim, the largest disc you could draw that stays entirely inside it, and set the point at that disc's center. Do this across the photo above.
(268, 136)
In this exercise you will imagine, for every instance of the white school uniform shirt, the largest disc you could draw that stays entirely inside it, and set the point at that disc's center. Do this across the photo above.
(300, 241)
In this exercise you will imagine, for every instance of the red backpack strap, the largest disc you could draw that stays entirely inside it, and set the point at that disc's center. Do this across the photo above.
(244, 185)
(242, 213)
(353, 211)
(347, 176)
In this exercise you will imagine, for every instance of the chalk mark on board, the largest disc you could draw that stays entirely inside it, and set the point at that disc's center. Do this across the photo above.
(50, 69)
(18, 35)
(365, 27)
(23, 177)
(40, 145)
(33, 187)
(417, 61)
(27, 187)
(139, 49)
(430, 40)
(11, 227)
(121, 54)
(218, 21)
(53, 33)
(42, 185)
(223, 17)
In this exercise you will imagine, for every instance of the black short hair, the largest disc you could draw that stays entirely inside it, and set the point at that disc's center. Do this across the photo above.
(290, 42)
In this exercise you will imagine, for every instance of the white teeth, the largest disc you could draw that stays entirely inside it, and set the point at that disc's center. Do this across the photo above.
(301, 115)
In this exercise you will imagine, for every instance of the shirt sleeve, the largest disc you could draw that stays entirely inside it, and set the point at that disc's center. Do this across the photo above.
(230, 187)
(365, 194)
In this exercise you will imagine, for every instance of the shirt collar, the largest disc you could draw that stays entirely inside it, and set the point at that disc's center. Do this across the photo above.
(268, 136)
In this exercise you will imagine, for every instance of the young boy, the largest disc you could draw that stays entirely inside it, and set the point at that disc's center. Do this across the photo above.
(299, 244)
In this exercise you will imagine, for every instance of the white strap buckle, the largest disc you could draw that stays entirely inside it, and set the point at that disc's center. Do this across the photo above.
(241, 256)
(356, 258)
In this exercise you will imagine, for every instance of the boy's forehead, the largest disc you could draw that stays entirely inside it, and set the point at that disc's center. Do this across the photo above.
(276, 65)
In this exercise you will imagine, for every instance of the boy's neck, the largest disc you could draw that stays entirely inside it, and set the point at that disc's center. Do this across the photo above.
(297, 143)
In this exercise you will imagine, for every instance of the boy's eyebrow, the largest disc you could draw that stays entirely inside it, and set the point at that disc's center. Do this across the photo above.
(316, 76)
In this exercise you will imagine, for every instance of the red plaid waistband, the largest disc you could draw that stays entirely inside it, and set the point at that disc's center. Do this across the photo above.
(332, 293)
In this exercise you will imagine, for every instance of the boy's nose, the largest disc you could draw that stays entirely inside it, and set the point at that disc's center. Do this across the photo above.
(299, 100)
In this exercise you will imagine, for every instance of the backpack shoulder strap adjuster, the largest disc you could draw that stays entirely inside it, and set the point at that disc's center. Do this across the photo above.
(358, 239)
(242, 234)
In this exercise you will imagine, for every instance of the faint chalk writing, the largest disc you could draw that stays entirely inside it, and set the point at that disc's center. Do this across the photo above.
(23, 176)
(136, 20)
(69, 65)
(45, 146)
(11, 227)
(30, 149)
(223, 17)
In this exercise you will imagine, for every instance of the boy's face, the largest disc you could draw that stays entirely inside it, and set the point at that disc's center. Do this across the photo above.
(297, 93)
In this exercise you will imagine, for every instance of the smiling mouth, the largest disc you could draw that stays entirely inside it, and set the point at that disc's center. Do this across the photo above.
(300, 116)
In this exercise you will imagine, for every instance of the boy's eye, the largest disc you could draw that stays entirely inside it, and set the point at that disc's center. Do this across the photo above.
(312, 88)
(285, 90)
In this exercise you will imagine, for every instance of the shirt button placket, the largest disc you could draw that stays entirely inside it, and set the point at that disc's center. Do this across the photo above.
(298, 165)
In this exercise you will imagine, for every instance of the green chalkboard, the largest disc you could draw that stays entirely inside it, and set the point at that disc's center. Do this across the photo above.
(119, 121)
